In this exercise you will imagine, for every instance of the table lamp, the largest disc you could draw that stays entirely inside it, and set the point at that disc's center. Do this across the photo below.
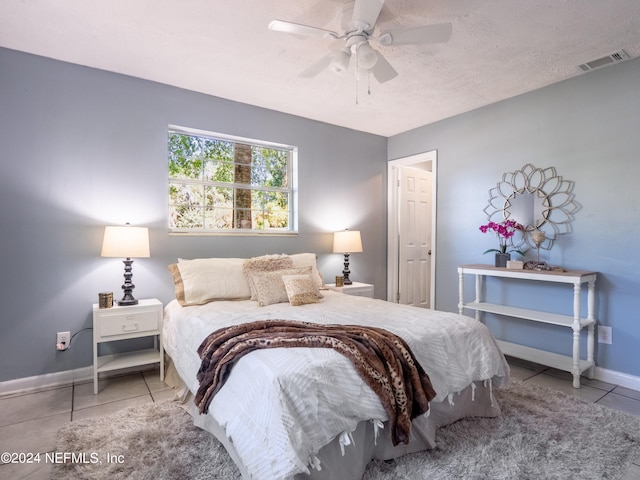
(126, 241)
(347, 242)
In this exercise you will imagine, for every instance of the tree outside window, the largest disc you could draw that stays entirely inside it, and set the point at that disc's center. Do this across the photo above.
(220, 184)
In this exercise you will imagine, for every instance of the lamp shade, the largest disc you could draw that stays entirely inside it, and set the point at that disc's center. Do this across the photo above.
(125, 242)
(347, 241)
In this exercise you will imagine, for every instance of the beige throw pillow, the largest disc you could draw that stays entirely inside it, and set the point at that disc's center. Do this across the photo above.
(269, 286)
(301, 290)
(264, 263)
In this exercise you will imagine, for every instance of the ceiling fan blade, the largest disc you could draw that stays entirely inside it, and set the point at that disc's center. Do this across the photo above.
(382, 70)
(417, 35)
(299, 29)
(317, 67)
(366, 12)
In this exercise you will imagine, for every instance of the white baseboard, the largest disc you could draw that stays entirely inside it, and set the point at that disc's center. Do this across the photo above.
(617, 378)
(62, 379)
(43, 382)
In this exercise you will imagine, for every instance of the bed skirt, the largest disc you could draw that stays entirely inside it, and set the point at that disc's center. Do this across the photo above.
(347, 456)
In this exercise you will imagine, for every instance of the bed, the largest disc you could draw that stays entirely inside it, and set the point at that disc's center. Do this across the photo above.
(305, 413)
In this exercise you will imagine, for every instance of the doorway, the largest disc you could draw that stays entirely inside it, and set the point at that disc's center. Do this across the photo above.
(412, 230)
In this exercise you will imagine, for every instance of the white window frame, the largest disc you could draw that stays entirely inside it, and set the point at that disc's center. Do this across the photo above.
(292, 190)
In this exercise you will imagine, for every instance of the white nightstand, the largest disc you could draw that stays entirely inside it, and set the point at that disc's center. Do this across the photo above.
(356, 288)
(121, 323)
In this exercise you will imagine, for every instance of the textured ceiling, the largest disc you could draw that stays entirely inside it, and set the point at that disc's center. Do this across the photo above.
(499, 49)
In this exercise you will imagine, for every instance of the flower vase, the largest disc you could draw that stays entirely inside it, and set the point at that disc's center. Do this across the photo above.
(502, 259)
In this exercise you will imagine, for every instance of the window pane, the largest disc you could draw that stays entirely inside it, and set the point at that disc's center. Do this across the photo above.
(218, 218)
(185, 156)
(185, 217)
(215, 149)
(270, 219)
(244, 219)
(219, 197)
(270, 210)
(218, 166)
(218, 171)
(269, 200)
(269, 167)
(186, 194)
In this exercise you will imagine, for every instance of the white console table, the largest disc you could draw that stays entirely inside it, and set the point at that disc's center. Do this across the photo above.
(573, 364)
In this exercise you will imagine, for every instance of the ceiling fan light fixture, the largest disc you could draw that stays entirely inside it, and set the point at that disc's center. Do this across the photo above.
(340, 62)
(367, 56)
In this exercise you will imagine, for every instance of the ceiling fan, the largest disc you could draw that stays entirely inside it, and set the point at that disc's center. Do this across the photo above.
(358, 32)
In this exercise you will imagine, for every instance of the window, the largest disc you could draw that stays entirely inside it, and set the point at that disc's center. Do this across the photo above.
(223, 184)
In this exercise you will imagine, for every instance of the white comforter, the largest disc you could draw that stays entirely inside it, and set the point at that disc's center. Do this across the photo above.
(280, 406)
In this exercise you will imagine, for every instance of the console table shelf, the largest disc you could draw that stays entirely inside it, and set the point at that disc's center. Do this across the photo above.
(535, 315)
(554, 360)
(573, 364)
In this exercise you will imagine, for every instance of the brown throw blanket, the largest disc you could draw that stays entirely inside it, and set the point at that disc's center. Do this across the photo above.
(383, 360)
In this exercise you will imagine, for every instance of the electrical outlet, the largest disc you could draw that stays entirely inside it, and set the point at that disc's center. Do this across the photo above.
(62, 340)
(604, 334)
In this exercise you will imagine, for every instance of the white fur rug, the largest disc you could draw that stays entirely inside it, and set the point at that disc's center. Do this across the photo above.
(541, 435)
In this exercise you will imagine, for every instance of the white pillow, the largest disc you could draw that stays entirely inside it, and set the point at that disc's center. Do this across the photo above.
(203, 280)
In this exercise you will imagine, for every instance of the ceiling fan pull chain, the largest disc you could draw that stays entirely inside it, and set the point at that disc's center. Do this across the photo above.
(357, 75)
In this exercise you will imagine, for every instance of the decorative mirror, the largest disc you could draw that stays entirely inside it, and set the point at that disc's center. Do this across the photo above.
(536, 198)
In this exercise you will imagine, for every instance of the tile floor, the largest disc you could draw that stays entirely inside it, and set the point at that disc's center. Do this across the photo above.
(29, 422)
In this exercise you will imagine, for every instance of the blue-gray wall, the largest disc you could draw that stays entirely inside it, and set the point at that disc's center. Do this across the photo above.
(82, 148)
(588, 128)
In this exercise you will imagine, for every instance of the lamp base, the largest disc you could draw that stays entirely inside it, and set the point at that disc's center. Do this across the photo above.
(346, 271)
(128, 286)
(127, 301)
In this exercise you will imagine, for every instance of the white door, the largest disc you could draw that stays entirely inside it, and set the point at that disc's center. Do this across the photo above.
(414, 273)
(411, 247)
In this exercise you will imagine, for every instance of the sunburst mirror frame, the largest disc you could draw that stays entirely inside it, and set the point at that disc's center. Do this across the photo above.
(536, 198)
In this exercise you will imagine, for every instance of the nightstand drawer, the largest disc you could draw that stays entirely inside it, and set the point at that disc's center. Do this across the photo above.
(125, 324)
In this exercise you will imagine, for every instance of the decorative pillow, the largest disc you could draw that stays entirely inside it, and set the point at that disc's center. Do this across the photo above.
(203, 280)
(265, 263)
(301, 289)
(308, 259)
(269, 286)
